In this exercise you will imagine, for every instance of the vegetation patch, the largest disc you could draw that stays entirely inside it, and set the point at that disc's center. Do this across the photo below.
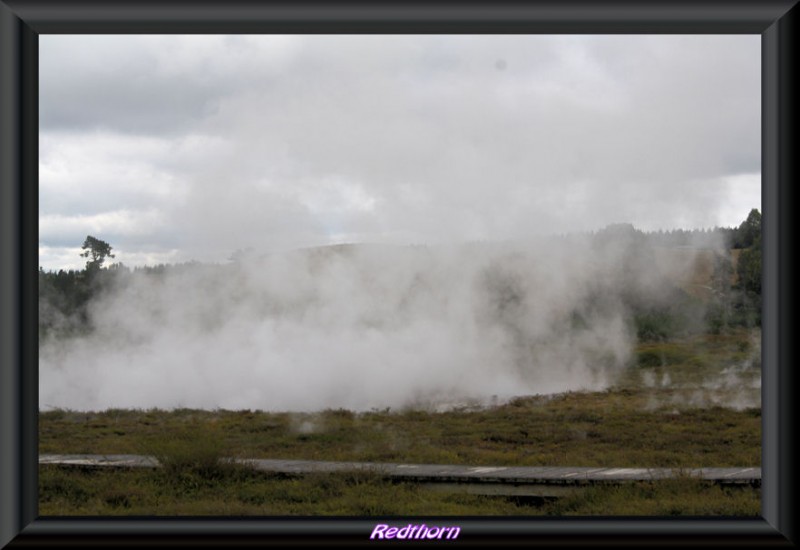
(137, 492)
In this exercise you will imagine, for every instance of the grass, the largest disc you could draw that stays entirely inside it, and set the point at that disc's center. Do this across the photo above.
(243, 492)
(640, 422)
(613, 428)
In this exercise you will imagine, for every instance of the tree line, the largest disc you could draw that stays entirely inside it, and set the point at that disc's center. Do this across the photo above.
(65, 295)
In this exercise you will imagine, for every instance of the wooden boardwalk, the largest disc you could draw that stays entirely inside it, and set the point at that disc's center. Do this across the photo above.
(499, 480)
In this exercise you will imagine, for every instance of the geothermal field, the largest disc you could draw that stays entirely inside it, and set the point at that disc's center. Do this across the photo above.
(488, 251)
(596, 350)
(371, 326)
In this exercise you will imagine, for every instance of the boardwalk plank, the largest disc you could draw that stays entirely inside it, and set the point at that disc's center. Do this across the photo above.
(447, 473)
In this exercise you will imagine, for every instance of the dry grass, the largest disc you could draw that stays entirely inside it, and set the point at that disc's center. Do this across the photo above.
(634, 424)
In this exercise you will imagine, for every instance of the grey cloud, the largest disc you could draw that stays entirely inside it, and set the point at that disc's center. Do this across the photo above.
(134, 84)
(445, 137)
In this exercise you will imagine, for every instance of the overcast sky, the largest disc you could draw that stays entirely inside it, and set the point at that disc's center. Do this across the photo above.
(174, 148)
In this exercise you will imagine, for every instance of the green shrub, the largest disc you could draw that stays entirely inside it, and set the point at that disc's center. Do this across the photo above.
(193, 456)
(659, 355)
(654, 326)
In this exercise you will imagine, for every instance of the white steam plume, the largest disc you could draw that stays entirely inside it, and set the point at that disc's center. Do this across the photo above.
(355, 326)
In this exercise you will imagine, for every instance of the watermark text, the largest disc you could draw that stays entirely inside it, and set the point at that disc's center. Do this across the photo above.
(411, 531)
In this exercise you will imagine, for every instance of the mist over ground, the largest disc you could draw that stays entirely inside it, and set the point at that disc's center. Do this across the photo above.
(363, 326)
(186, 148)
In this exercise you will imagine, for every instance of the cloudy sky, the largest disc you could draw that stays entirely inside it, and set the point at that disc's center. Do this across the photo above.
(174, 148)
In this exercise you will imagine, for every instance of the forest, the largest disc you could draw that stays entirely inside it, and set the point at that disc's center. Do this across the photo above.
(65, 296)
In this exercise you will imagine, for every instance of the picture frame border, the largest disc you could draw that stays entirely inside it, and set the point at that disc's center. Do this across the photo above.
(21, 23)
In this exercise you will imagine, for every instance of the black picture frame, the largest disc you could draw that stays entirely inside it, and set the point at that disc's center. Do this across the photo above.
(21, 21)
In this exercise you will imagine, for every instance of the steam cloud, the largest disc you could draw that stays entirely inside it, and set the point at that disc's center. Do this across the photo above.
(357, 327)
